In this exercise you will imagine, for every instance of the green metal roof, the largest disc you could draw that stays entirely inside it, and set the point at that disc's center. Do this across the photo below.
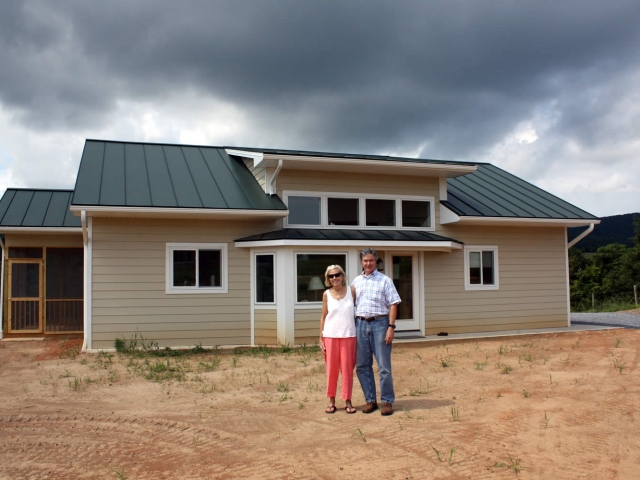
(348, 234)
(492, 192)
(127, 174)
(37, 208)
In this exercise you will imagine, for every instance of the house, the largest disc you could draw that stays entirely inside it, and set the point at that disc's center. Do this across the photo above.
(190, 245)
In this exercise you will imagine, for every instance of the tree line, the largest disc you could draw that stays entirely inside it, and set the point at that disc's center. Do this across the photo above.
(607, 275)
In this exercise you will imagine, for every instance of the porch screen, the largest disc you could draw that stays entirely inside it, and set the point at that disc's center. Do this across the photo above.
(64, 290)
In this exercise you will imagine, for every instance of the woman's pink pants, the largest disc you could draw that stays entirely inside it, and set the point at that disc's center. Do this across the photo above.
(340, 357)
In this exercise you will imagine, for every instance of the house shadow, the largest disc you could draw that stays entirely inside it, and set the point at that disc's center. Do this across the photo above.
(420, 404)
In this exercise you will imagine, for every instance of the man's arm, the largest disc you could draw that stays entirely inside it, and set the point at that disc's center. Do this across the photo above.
(393, 312)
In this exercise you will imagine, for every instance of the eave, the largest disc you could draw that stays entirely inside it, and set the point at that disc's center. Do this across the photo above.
(41, 230)
(162, 212)
(388, 245)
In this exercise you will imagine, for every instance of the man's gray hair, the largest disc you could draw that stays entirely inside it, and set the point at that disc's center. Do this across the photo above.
(368, 251)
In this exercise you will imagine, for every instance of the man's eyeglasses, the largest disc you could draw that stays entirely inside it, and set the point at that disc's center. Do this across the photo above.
(334, 275)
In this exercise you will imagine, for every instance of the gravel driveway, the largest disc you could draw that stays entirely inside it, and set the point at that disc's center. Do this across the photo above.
(625, 320)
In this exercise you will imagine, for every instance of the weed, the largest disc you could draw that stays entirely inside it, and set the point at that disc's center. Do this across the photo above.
(550, 379)
(547, 419)
(300, 405)
(499, 394)
(282, 398)
(75, 384)
(525, 356)
(234, 361)
(267, 396)
(211, 365)
(120, 473)
(513, 465)
(418, 357)
(620, 366)
(437, 452)
(285, 348)
(617, 343)
(453, 450)
(480, 366)
(305, 360)
(525, 393)
(421, 390)
(455, 414)
(198, 348)
(407, 413)
(359, 432)
(283, 386)
(506, 369)
(66, 374)
(446, 361)
(576, 345)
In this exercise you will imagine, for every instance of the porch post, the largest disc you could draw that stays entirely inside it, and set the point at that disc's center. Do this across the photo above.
(285, 292)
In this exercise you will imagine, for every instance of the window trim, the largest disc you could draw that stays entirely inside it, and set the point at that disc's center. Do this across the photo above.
(496, 277)
(255, 279)
(298, 304)
(362, 213)
(171, 289)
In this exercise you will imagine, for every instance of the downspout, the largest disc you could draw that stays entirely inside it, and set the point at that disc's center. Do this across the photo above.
(85, 241)
(2, 291)
(272, 182)
(581, 236)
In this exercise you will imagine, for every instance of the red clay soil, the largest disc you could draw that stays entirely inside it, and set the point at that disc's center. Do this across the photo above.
(560, 406)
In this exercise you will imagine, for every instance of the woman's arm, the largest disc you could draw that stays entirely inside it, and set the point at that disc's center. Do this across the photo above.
(323, 316)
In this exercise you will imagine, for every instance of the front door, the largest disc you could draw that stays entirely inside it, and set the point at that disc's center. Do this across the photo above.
(25, 296)
(404, 272)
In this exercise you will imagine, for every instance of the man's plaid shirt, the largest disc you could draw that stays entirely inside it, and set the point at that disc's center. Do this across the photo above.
(374, 294)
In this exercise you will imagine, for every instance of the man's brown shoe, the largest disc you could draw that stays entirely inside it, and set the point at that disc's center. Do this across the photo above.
(387, 408)
(370, 407)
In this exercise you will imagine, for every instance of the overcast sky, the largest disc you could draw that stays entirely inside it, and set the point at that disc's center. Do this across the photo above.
(547, 90)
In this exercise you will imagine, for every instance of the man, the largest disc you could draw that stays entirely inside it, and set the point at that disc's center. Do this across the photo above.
(376, 307)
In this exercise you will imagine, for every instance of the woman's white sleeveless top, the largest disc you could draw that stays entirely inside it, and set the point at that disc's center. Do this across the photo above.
(340, 319)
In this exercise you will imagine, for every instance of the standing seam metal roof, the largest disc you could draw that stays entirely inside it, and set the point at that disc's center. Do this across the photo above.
(348, 234)
(37, 208)
(124, 174)
(493, 192)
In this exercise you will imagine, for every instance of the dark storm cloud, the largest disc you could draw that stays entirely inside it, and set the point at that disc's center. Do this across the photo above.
(362, 76)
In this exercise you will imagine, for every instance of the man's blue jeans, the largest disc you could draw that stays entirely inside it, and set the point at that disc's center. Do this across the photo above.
(370, 342)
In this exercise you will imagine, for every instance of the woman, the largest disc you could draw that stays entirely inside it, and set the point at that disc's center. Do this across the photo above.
(338, 336)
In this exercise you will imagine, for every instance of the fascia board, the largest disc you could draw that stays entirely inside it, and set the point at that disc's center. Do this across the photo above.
(367, 165)
(41, 230)
(524, 222)
(161, 212)
(256, 156)
(419, 246)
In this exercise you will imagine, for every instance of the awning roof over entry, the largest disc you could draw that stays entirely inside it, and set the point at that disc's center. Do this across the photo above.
(415, 240)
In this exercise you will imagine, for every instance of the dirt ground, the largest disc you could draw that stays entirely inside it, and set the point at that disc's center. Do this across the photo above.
(559, 406)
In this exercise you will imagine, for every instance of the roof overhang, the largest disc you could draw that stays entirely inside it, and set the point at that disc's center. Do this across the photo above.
(381, 244)
(160, 212)
(41, 230)
(356, 165)
(447, 217)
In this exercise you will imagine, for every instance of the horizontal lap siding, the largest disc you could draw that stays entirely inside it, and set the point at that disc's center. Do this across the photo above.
(258, 172)
(266, 326)
(307, 326)
(129, 284)
(359, 183)
(532, 281)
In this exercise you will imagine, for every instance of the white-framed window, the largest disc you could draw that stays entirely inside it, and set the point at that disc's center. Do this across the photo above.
(363, 211)
(196, 268)
(265, 278)
(481, 267)
(310, 268)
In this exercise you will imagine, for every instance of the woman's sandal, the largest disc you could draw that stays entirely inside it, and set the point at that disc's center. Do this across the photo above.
(350, 409)
(330, 409)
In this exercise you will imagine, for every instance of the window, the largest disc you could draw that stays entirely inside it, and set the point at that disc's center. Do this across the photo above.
(265, 275)
(381, 213)
(304, 210)
(310, 268)
(415, 214)
(481, 267)
(343, 211)
(196, 268)
(340, 210)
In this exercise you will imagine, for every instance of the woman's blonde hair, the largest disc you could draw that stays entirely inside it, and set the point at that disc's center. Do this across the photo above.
(334, 267)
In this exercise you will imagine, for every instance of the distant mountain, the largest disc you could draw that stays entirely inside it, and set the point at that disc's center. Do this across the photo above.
(613, 229)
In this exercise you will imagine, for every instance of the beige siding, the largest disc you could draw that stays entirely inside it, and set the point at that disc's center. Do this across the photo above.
(307, 326)
(44, 240)
(266, 326)
(532, 280)
(359, 183)
(258, 172)
(129, 284)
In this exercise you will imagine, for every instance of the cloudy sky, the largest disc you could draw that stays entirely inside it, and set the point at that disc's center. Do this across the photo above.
(547, 90)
